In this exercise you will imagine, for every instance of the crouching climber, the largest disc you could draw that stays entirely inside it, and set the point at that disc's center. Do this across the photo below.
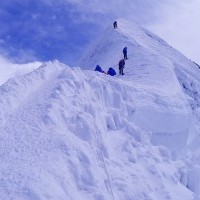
(98, 69)
(111, 72)
(121, 66)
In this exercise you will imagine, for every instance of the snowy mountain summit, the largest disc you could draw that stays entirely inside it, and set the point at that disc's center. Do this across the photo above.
(157, 74)
(75, 134)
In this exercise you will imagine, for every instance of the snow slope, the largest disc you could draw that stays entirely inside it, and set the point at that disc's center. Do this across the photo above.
(158, 73)
(69, 134)
(73, 134)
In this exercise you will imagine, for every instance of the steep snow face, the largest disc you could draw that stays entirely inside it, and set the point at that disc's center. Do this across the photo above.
(69, 134)
(155, 71)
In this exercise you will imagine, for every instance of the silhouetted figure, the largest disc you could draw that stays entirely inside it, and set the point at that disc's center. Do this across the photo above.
(115, 24)
(121, 66)
(125, 53)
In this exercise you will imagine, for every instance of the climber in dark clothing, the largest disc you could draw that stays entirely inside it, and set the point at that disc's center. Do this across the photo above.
(98, 69)
(115, 24)
(111, 71)
(121, 66)
(125, 53)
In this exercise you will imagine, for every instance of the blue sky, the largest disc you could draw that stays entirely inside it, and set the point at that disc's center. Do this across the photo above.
(62, 29)
(37, 30)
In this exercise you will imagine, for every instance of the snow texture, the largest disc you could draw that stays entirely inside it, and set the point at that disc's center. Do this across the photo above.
(73, 134)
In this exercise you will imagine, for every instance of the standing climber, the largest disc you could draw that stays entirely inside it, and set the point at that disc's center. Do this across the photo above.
(121, 66)
(125, 53)
(115, 24)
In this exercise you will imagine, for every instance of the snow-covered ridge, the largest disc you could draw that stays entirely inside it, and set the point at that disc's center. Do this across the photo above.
(68, 133)
(71, 136)
(14, 91)
(145, 48)
(156, 69)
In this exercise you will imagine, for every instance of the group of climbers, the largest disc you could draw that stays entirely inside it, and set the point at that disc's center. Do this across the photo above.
(122, 62)
(111, 71)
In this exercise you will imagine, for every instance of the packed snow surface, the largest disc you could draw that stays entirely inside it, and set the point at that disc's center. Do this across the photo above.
(73, 134)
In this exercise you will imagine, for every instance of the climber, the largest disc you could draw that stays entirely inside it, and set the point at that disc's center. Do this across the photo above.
(121, 66)
(111, 71)
(115, 24)
(98, 69)
(125, 53)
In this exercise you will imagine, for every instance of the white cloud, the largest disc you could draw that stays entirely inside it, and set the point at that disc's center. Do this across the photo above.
(180, 27)
(9, 70)
(140, 11)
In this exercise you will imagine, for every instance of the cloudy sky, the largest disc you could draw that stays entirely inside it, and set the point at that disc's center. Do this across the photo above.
(41, 30)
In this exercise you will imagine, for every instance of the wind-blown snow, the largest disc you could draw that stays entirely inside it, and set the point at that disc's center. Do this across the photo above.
(10, 70)
(68, 133)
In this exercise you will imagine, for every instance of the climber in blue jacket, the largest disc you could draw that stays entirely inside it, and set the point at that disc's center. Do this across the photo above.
(98, 69)
(111, 72)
